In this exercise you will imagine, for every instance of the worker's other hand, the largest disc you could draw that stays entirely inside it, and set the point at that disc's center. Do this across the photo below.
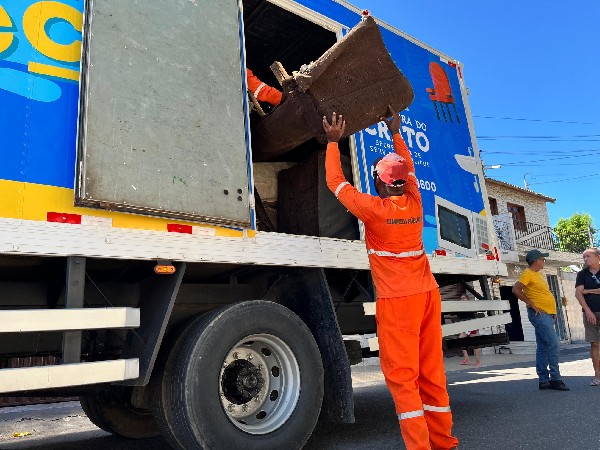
(335, 130)
(393, 123)
(537, 310)
(590, 316)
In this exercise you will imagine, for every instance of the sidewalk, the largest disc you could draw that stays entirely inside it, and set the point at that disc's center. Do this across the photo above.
(369, 371)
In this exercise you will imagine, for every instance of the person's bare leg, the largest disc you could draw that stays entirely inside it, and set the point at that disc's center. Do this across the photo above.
(595, 354)
(466, 359)
(465, 356)
(477, 356)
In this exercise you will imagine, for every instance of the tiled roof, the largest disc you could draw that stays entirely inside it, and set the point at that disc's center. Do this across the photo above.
(520, 189)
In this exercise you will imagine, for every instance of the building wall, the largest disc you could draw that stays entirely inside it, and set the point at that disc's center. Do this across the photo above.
(514, 272)
(572, 309)
(535, 207)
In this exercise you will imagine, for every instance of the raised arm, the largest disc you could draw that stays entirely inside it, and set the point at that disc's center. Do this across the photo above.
(357, 203)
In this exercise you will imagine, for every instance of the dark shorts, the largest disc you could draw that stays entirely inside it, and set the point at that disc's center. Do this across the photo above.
(592, 332)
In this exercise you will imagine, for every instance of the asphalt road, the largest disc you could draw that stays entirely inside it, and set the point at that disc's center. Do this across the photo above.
(495, 407)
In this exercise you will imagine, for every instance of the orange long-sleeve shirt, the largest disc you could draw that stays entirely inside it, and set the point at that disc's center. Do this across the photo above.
(262, 91)
(393, 228)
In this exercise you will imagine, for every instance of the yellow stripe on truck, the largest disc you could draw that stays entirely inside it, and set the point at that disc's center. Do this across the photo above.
(31, 201)
(45, 69)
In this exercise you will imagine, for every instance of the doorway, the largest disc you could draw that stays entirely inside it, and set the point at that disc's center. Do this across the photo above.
(515, 328)
(560, 324)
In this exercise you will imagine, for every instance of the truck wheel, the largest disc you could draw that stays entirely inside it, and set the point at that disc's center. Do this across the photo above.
(159, 392)
(247, 376)
(116, 415)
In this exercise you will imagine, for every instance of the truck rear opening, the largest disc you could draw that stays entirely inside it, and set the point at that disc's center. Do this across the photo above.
(291, 193)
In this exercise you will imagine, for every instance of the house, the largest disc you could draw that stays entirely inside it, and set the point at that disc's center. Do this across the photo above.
(521, 221)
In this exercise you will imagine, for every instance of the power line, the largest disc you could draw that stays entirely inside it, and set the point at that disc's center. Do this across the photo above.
(554, 159)
(526, 164)
(537, 137)
(539, 151)
(566, 179)
(534, 120)
(550, 139)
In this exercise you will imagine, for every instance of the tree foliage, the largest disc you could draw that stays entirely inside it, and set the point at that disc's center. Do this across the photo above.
(574, 233)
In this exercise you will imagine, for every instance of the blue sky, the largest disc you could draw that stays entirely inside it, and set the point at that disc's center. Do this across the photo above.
(534, 60)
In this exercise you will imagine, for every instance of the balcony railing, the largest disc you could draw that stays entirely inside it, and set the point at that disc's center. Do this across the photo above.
(543, 237)
(535, 235)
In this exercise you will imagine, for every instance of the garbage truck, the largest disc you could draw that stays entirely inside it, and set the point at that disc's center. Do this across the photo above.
(156, 269)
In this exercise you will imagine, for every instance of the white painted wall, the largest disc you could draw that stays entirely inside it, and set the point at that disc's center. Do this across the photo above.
(573, 309)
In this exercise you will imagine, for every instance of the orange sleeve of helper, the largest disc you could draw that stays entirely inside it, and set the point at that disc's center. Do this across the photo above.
(262, 91)
(401, 149)
(363, 206)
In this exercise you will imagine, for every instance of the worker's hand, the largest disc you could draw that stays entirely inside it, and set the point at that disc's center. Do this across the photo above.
(537, 310)
(335, 130)
(590, 316)
(393, 123)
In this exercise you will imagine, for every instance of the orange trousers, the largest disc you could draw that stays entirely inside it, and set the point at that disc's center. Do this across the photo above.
(410, 350)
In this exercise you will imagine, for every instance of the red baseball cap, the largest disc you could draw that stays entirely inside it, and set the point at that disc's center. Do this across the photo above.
(392, 168)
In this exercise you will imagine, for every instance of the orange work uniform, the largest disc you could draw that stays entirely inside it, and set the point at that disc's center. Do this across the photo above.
(262, 92)
(408, 310)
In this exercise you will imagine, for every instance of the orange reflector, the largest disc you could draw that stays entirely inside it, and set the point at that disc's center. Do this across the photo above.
(164, 270)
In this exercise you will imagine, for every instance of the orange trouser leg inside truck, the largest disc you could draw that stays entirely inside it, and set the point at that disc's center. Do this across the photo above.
(410, 349)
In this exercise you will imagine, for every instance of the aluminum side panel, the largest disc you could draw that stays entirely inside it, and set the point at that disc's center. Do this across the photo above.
(163, 128)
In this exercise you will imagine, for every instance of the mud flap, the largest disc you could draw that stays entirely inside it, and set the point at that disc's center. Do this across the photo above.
(306, 293)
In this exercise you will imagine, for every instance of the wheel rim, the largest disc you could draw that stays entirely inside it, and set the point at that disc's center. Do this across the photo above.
(259, 383)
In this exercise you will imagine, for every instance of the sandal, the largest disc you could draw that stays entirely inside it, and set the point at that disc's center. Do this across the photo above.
(476, 364)
(595, 382)
(465, 362)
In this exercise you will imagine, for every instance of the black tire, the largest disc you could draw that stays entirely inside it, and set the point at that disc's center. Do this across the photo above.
(115, 414)
(158, 385)
(245, 376)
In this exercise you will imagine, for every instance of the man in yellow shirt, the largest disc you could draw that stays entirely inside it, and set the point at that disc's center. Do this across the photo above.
(532, 288)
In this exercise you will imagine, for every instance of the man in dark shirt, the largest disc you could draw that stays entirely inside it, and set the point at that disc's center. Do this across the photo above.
(587, 291)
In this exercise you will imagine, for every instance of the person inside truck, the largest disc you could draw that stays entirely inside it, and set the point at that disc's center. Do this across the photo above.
(262, 91)
(408, 307)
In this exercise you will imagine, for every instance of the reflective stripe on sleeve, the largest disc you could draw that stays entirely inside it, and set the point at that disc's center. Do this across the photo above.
(339, 188)
(395, 255)
(258, 89)
(411, 414)
(436, 408)
(413, 174)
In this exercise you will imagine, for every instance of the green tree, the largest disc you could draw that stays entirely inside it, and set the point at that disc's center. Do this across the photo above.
(575, 233)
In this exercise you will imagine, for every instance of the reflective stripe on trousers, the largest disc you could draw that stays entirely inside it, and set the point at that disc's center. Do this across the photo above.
(421, 412)
(411, 414)
(395, 255)
(439, 409)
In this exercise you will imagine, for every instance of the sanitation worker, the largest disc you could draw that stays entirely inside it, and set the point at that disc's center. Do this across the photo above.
(262, 91)
(408, 308)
